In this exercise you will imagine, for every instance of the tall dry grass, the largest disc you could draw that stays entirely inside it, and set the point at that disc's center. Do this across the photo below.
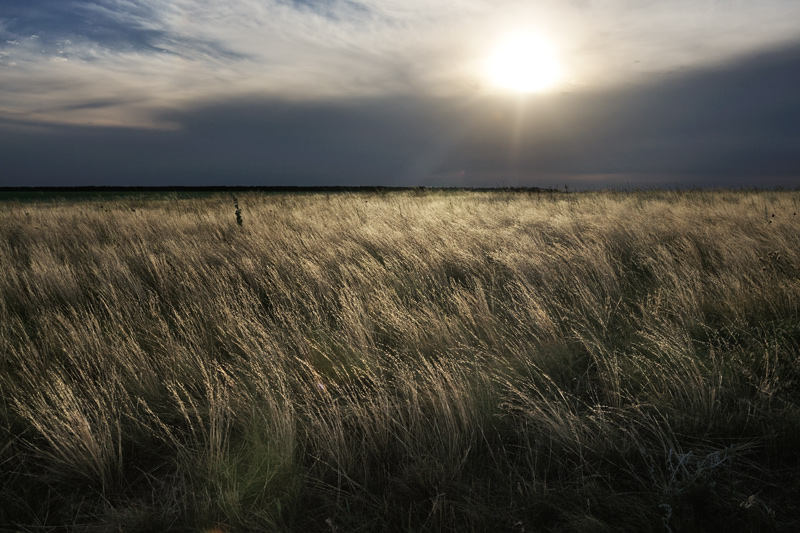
(405, 361)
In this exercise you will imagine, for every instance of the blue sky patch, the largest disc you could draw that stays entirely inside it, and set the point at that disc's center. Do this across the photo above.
(53, 21)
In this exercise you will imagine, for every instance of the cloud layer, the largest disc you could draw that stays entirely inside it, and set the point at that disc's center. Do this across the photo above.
(392, 92)
(121, 62)
(737, 124)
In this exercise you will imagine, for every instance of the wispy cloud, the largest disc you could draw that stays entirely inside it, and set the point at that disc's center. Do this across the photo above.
(145, 56)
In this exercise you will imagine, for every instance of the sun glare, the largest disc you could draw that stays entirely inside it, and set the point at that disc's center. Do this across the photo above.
(524, 62)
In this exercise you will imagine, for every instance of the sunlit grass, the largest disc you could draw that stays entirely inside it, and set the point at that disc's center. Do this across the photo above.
(403, 361)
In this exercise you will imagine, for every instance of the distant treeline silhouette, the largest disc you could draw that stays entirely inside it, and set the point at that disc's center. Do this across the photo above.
(259, 188)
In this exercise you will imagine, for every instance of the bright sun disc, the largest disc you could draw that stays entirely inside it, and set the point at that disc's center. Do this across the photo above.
(524, 63)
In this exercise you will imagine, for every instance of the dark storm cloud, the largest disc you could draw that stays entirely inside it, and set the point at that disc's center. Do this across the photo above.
(737, 124)
(244, 142)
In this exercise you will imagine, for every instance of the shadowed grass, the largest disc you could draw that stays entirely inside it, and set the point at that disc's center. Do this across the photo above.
(441, 361)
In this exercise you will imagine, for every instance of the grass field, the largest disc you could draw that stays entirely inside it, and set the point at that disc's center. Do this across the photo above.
(416, 361)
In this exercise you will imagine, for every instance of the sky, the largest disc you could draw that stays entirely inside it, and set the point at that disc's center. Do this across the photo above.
(633, 93)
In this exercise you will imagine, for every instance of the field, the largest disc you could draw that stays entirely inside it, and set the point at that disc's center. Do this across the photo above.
(410, 361)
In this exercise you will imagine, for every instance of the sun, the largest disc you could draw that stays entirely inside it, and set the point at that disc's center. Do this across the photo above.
(523, 62)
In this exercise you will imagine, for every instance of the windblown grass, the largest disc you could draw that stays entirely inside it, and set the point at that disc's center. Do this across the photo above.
(445, 361)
